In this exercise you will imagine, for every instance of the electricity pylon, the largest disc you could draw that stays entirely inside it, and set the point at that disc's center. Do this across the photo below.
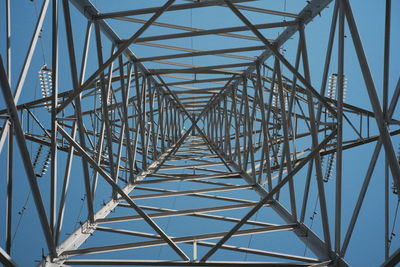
(219, 164)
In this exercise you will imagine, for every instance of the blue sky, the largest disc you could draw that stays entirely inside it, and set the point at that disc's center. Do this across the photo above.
(369, 15)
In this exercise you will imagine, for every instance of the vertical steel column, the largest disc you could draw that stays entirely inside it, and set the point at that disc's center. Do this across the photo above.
(386, 65)
(153, 136)
(99, 152)
(247, 133)
(339, 138)
(167, 122)
(227, 123)
(237, 128)
(8, 40)
(81, 129)
(105, 95)
(264, 125)
(9, 201)
(147, 118)
(386, 56)
(140, 124)
(54, 105)
(144, 132)
(250, 129)
(161, 103)
(269, 112)
(322, 92)
(64, 191)
(286, 146)
(119, 152)
(220, 122)
(68, 166)
(140, 111)
(241, 126)
(320, 183)
(386, 210)
(208, 115)
(125, 102)
(10, 156)
(135, 147)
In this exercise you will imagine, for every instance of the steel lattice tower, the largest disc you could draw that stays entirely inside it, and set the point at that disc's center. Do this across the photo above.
(241, 159)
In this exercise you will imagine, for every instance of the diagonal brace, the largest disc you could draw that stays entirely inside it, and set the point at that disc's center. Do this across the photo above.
(120, 50)
(8, 98)
(281, 58)
(125, 196)
(268, 196)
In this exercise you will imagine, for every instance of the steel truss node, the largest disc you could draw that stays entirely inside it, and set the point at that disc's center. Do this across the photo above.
(237, 160)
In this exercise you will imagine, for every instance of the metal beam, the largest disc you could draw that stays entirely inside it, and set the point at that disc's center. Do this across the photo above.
(5, 259)
(369, 83)
(26, 159)
(122, 46)
(25, 66)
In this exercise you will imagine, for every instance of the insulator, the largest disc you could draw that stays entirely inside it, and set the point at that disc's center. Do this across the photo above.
(286, 102)
(322, 164)
(45, 165)
(275, 96)
(395, 190)
(277, 154)
(99, 93)
(344, 88)
(110, 99)
(46, 84)
(37, 155)
(329, 167)
(332, 86)
(398, 154)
